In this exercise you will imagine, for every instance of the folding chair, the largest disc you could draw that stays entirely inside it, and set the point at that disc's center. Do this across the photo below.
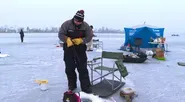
(97, 44)
(137, 43)
(107, 87)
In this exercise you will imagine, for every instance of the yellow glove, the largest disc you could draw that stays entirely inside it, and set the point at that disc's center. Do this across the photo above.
(69, 42)
(77, 41)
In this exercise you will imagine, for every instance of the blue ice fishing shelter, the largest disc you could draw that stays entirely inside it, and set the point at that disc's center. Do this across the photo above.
(144, 32)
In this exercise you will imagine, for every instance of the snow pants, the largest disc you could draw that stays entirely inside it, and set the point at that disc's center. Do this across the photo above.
(75, 57)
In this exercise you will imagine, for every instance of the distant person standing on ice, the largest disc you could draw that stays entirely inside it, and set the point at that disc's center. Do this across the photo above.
(21, 35)
(89, 45)
(76, 33)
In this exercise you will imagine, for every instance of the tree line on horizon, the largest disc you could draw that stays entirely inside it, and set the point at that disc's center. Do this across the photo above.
(54, 30)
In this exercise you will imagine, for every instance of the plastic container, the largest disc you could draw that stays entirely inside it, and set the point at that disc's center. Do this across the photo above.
(44, 87)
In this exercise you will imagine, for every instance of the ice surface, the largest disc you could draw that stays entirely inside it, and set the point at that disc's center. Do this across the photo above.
(39, 58)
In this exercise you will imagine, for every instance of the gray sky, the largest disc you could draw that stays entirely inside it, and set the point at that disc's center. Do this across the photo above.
(110, 13)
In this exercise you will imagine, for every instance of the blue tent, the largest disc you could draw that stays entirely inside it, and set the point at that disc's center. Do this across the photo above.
(145, 32)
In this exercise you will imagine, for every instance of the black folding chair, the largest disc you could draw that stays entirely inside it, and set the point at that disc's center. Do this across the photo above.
(137, 43)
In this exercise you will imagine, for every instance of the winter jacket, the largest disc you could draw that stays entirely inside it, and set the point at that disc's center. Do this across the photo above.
(69, 25)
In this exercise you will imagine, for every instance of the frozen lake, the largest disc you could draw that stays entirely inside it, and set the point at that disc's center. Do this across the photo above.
(39, 58)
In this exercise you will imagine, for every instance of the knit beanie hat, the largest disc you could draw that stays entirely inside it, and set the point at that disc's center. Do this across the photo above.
(79, 16)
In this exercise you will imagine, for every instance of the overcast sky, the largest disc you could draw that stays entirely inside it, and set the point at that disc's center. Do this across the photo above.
(110, 13)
